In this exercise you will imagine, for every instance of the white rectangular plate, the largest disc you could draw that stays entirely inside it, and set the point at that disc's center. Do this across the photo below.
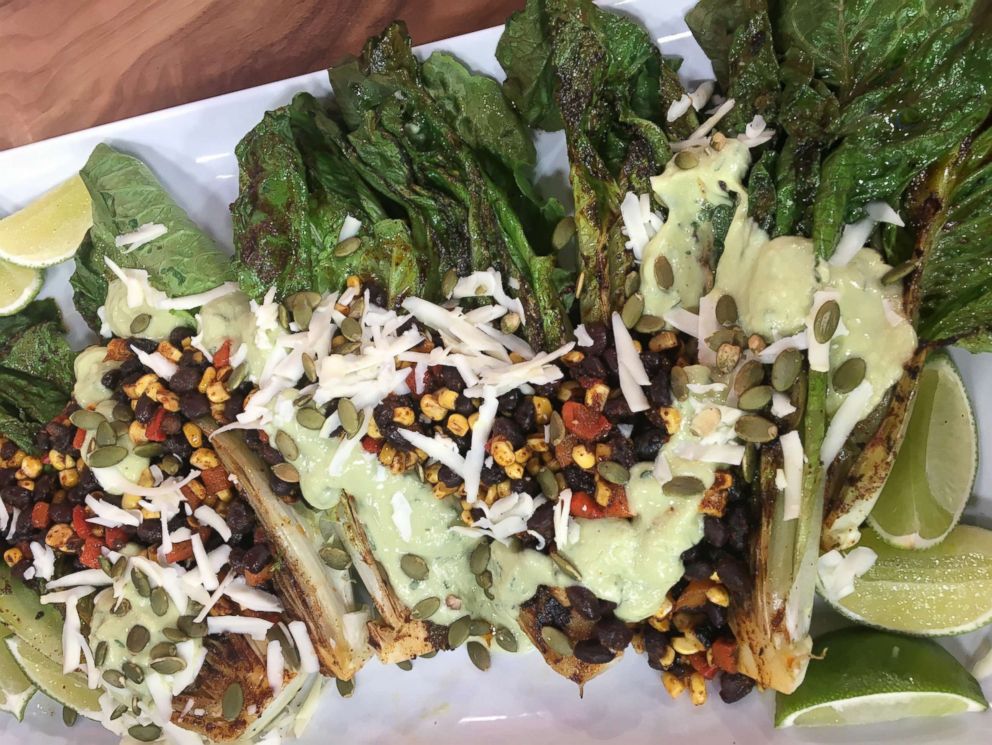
(445, 700)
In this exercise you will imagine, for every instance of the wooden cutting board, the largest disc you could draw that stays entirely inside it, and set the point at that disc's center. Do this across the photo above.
(70, 64)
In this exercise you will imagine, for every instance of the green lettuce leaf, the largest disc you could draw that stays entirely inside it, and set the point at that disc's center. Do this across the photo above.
(126, 195)
(89, 284)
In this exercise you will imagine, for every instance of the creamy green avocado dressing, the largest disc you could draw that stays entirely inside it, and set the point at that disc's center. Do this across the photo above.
(119, 316)
(89, 368)
(230, 317)
(112, 630)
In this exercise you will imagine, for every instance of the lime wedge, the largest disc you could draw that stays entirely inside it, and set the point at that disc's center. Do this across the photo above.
(941, 591)
(16, 689)
(50, 229)
(18, 286)
(935, 470)
(869, 676)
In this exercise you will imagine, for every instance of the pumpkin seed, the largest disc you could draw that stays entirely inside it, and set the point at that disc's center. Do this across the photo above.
(123, 608)
(458, 632)
(753, 428)
(825, 322)
(631, 283)
(405, 665)
(566, 565)
(347, 348)
(122, 413)
(727, 357)
(726, 310)
(159, 601)
(425, 608)
(287, 446)
(303, 400)
(113, 678)
(170, 465)
(191, 627)
(349, 416)
(414, 566)
(683, 486)
(345, 687)
(135, 705)
(237, 376)
(849, 375)
(335, 558)
(140, 581)
(282, 316)
(137, 639)
(106, 456)
(718, 338)
(351, 329)
(649, 324)
(548, 483)
(557, 640)
(506, 639)
(310, 367)
(118, 712)
(140, 323)
(163, 649)
(69, 716)
(480, 627)
(145, 732)
(509, 323)
(680, 383)
(664, 275)
(632, 310)
(120, 428)
(105, 565)
(898, 272)
(118, 567)
(105, 435)
(613, 472)
(133, 673)
(786, 369)
(286, 472)
(751, 373)
(686, 160)
(556, 428)
(448, 283)
(755, 398)
(479, 655)
(348, 246)
(484, 579)
(233, 702)
(478, 560)
(168, 665)
(86, 419)
(100, 654)
(564, 233)
(148, 450)
(302, 316)
(309, 418)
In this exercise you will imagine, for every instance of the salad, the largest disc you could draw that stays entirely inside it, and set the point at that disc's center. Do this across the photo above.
(426, 406)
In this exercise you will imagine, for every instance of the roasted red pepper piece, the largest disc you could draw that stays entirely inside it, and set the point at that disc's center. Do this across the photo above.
(222, 357)
(39, 516)
(701, 666)
(79, 523)
(371, 445)
(154, 431)
(725, 655)
(586, 507)
(90, 555)
(584, 422)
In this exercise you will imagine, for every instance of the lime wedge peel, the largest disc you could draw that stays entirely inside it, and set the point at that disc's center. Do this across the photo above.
(942, 591)
(934, 473)
(19, 285)
(869, 676)
(49, 230)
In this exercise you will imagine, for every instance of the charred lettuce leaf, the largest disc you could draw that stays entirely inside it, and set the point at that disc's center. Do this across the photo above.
(126, 195)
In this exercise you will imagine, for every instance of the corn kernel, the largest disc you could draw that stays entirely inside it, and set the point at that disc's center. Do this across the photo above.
(447, 398)
(168, 399)
(431, 408)
(671, 418)
(354, 281)
(404, 416)
(660, 624)
(573, 357)
(537, 443)
(26, 484)
(12, 556)
(503, 488)
(217, 393)
(56, 459)
(431, 473)
(667, 657)
(209, 376)
(441, 490)
(583, 457)
(58, 535)
(662, 341)
(490, 495)
(225, 495)
(31, 466)
(193, 434)
(150, 514)
(533, 466)
(68, 478)
(603, 451)
(502, 452)
(386, 454)
(603, 492)
(569, 389)
(687, 645)
(168, 351)
(718, 595)
(458, 425)
(136, 431)
(472, 419)
(137, 388)
(596, 396)
(373, 431)
(522, 455)
(542, 409)
(204, 459)
(130, 501)
(697, 689)
(515, 470)
(672, 684)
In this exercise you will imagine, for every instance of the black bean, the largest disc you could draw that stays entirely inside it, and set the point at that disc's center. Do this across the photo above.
(240, 519)
(60, 435)
(733, 574)
(270, 454)
(179, 334)
(377, 294)
(189, 358)
(185, 379)
(8, 476)
(178, 446)
(21, 567)
(592, 367)
(150, 532)
(237, 559)
(60, 512)
(280, 487)
(171, 423)
(194, 405)
(144, 409)
(660, 390)
(597, 332)
(87, 480)
(717, 615)
(578, 480)
(705, 633)
(491, 475)
(452, 379)
(655, 642)
(610, 359)
(129, 367)
(145, 345)
(613, 633)
(648, 443)
(681, 668)
(623, 450)
(508, 402)
(652, 362)
(42, 441)
(257, 557)
(233, 406)
(738, 524)
(542, 522)
(17, 496)
(526, 485)
(508, 429)
(524, 415)
(448, 477)
(77, 494)
(700, 569)
(111, 379)
(584, 602)
(548, 390)
(463, 405)
(715, 531)
(617, 410)
(592, 652)
(734, 687)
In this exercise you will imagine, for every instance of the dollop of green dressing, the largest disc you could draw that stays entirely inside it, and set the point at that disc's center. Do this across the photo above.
(119, 315)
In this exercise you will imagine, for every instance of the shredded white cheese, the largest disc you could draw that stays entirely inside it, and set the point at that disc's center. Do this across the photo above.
(792, 461)
(140, 237)
(275, 666)
(582, 337)
(678, 107)
(562, 517)
(209, 517)
(308, 657)
(838, 572)
(781, 405)
(256, 628)
(844, 421)
(401, 516)
(349, 228)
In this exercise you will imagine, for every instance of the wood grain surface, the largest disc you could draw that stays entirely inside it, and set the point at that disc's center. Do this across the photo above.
(70, 64)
